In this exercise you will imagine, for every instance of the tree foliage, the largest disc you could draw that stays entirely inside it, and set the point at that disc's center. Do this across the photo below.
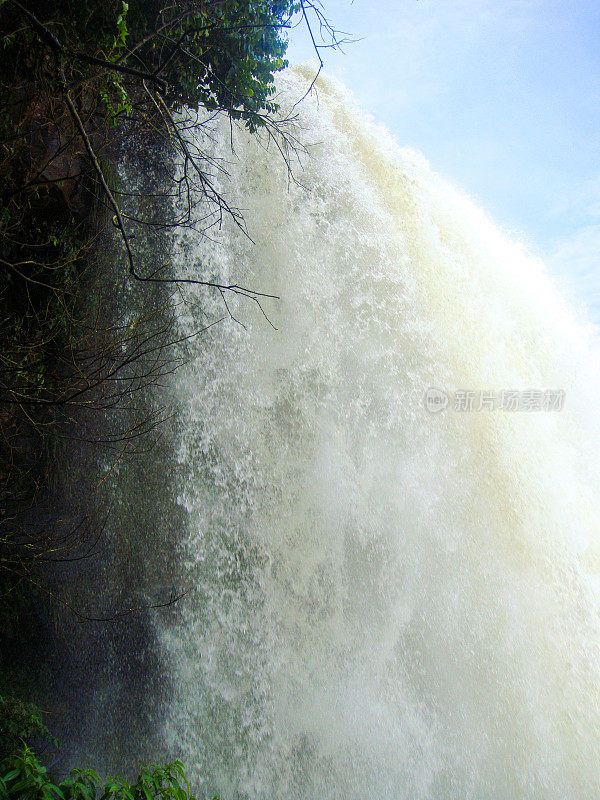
(220, 54)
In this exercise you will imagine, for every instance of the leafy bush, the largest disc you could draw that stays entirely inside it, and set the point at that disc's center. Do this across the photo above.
(22, 777)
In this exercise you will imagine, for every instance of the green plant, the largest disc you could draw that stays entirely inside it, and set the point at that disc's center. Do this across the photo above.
(22, 777)
(19, 722)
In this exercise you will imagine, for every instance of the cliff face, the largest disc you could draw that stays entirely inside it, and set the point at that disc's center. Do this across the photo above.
(48, 230)
(47, 227)
(46, 151)
(60, 161)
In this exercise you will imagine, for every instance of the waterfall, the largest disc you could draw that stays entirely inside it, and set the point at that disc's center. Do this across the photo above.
(391, 599)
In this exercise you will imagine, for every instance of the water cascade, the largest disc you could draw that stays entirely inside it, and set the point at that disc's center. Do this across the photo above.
(395, 567)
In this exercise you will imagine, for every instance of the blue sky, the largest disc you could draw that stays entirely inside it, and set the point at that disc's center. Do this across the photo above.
(503, 98)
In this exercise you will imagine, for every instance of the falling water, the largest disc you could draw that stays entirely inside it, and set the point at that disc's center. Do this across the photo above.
(388, 601)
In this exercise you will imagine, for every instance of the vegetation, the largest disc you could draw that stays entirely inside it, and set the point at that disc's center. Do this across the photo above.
(22, 777)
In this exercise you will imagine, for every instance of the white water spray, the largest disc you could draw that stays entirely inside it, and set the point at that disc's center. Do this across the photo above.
(390, 603)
